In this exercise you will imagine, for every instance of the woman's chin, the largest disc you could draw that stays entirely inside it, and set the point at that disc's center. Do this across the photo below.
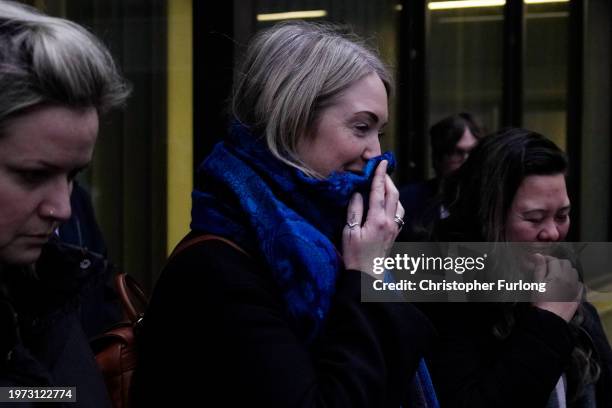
(25, 255)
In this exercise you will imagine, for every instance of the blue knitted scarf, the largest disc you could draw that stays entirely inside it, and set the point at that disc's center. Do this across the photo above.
(293, 221)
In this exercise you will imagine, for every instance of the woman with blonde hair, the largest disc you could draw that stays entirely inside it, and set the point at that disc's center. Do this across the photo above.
(281, 240)
(56, 79)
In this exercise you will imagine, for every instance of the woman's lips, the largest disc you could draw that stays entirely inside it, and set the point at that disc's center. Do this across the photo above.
(37, 238)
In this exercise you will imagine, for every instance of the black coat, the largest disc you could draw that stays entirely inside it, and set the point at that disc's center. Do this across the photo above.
(471, 367)
(42, 339)
(421, 209)
(218, 314)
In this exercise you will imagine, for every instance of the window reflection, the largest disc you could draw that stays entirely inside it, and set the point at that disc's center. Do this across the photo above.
(545, 70)
(464, 64)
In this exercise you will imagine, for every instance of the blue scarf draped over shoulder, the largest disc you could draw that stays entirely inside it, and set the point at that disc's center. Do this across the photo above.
(291, 221)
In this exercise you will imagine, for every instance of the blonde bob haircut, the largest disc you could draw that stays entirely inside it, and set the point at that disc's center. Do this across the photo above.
(49, 60)
(290, 74)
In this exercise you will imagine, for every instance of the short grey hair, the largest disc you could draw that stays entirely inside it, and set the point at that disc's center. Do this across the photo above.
(290, 74)
(49, 60)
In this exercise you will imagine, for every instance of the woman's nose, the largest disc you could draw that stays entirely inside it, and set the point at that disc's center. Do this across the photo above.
(372, 148)
(549, 232)
(56, 204)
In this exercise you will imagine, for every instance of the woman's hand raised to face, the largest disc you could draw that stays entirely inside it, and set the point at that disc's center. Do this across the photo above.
(561, 283)
(364, 241)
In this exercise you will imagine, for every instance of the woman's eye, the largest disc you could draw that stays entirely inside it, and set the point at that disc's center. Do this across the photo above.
(362, 127)
(32, 176)
(562, 217)
(534, 220)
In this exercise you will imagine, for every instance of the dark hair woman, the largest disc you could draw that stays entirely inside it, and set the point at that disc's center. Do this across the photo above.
(451, 140)
(540, 354)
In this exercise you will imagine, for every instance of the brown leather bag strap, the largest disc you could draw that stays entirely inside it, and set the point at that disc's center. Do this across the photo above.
(206, 237)
(131, 295)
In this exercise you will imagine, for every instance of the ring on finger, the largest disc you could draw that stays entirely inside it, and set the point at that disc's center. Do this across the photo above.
(352, 225)
(399, 221)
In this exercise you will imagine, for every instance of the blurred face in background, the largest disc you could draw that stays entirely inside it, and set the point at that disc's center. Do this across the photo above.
(41, 151)
(539, 211)
(346, 134)
(459, 154)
